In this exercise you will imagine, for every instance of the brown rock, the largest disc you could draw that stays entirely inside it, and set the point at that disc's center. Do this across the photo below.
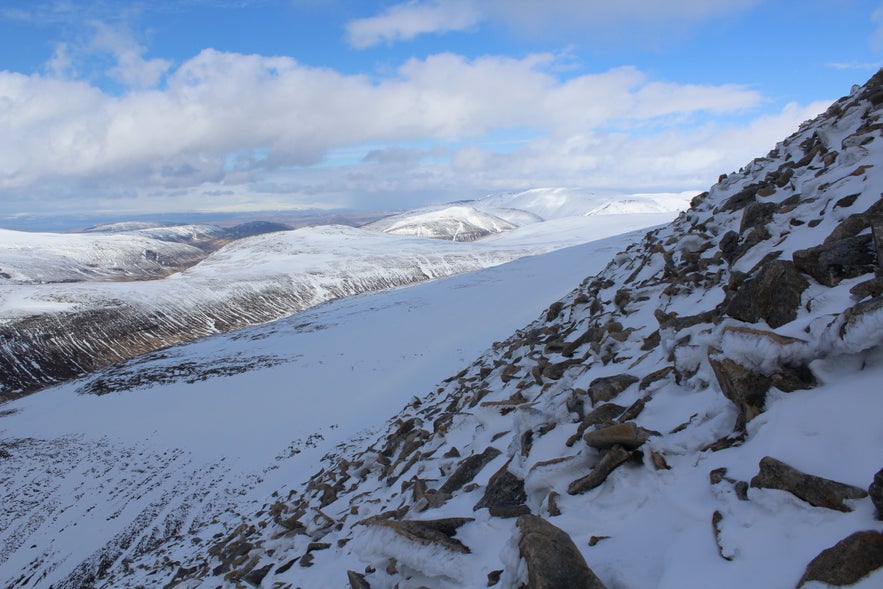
(817, 491)
(614, 457)
(553, 560)
(835, 261)
(504, 491)
(848, 561)
(628, 435)
(468, 469)
(876, 493)
(772, 294)
(746, 389)
(357, 580)
(439, 532)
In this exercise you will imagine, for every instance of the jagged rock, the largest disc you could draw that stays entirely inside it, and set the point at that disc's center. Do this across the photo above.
(876, 493)
(817, 491)
(740, 200)
(553, 560)
(607, 387)
(614, 457)
(757, 213)
(772, 294)
(554, 310)
(729, 246)
(357, 580)
(628, 435)
(604, 413)
(504, 492)
(835, 261)
(493, 577)
(552, 504)
(634, 409)
(716, 519)
(853, 317)
(659, 461)
(468, 469)
(868, 288)
(439, 532)
(255, 576)
(745, 388)
(655, 376)
(848, 561)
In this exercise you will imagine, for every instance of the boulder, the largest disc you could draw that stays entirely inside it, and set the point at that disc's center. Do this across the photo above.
(745, 388)
(504, 493)
(772, 294)
(848, 561)
(876, 493)
(755, 214)
(817, 491)
(357, 580)
(606, 388)
(553, 560)
(832, 262)
(628, 435)
(467, 470)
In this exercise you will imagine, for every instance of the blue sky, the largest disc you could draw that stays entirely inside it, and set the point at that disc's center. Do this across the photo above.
(239, 105)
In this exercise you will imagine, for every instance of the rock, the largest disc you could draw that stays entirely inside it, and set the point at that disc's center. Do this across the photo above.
(357, 580)
(614, 457)
(553, 560)
(255, 576)
(655, 376)
(876, 493)
(848, 561)
(607, 387)
(817, 491)
(716, 519)
(739, 200)
(745, 388)
(468, 469)
(772, 294)
(552, 504)
(868, 288)
(554, 310)
(439, 532)
(504, 490)
(835, 261)
(628, 435)
(729, 245)
(493, 577)
(757, 213)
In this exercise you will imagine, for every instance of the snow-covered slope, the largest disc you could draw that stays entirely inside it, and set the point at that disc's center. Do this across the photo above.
(167, 447)
(703, 412)
(33, 258)
(451, 223)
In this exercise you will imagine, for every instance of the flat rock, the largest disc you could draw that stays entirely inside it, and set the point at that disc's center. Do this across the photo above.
(606, 388)
(553, 560)
(614, 457)
(628, 435)
(817, 491)
(848, 561)
(439, 532)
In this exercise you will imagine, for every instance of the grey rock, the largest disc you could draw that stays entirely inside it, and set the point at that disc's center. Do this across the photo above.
(832, 262)
(607, 387)
(357, 580)
(757, 213)
(467, 470)
(772, 294)
(848, 561)
(817, 491)
(553, 560)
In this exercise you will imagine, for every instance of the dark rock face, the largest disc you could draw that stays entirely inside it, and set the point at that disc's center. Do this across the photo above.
(606, 388)
(746, 389)
(468, 469)
(876, 493)
(504, 493)
(772, 294)
(830, 263)
(848, 561)
(553, 560)
(817, 491)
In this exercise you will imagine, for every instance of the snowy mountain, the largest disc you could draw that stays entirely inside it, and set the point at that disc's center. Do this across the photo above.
(451, 223)
(703, 411)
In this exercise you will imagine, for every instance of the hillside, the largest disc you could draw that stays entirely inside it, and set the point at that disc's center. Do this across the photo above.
(703, 411)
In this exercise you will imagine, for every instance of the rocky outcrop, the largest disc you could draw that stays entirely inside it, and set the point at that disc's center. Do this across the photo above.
(771, 293)
(553, 560)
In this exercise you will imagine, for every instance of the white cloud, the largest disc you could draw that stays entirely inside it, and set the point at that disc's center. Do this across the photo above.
(407, 20)
(877, 19)
(595, 20)
(131, 69)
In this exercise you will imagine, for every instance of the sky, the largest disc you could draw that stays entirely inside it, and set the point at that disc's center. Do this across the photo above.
(135, 106)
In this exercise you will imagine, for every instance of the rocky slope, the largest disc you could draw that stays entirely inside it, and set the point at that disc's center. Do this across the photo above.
(704, 411)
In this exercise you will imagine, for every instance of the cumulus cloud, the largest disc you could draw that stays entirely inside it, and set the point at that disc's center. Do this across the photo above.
(407, 20)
